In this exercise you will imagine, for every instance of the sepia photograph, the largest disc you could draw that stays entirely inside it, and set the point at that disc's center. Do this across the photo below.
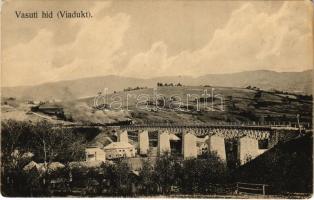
(157, 99)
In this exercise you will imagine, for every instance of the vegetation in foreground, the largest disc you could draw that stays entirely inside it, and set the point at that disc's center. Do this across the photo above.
(168, 176)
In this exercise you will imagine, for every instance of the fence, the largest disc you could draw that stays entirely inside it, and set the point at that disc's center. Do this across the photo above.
(251, 188)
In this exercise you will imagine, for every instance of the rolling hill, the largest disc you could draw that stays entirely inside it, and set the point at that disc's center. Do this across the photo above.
(182, 105)
(299, 82)
(239, 105)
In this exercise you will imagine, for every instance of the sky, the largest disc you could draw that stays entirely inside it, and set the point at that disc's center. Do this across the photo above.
(146, 39)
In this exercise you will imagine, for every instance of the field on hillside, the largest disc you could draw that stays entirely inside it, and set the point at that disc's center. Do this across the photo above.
(181, 105)
(187, 105)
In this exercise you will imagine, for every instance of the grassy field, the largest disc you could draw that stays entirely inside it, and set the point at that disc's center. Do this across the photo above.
(239, 105)
(228, 105)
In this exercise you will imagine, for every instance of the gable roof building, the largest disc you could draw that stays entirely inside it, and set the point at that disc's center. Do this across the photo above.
(119, 150)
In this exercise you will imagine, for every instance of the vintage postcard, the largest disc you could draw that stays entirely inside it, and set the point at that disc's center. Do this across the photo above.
(157, 99)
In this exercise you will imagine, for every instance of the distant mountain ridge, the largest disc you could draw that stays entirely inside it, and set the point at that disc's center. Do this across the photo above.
(300, 82)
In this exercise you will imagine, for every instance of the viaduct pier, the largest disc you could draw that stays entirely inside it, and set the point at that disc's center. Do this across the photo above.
(244, 142)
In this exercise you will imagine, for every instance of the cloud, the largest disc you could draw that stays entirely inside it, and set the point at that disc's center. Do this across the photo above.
(43, 59)
(95, 48)
(154, 60)
(251, 40)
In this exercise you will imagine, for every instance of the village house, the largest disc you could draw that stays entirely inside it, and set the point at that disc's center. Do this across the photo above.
(41, 168)
(119, 150)
(94, 153)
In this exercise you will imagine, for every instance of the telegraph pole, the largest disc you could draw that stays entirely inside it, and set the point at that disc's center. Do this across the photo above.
(298, 120)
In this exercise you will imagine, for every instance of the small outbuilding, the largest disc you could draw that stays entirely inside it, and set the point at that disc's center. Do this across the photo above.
(94, 153)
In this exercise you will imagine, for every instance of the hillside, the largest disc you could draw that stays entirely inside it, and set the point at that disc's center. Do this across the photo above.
(184, 105)
(179, 104)
(300, 82)
(286, 167)
(265, 79)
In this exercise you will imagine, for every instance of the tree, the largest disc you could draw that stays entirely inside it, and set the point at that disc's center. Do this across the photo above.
(258, 95)
(56, 144)
(164, 173)
(11, 133)
(190, 178)
(45, 142)
(159, 84)
(199, 174)
(145, 177)
(118, 177)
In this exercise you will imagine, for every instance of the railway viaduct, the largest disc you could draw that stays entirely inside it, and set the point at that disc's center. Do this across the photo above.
(246, 136)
